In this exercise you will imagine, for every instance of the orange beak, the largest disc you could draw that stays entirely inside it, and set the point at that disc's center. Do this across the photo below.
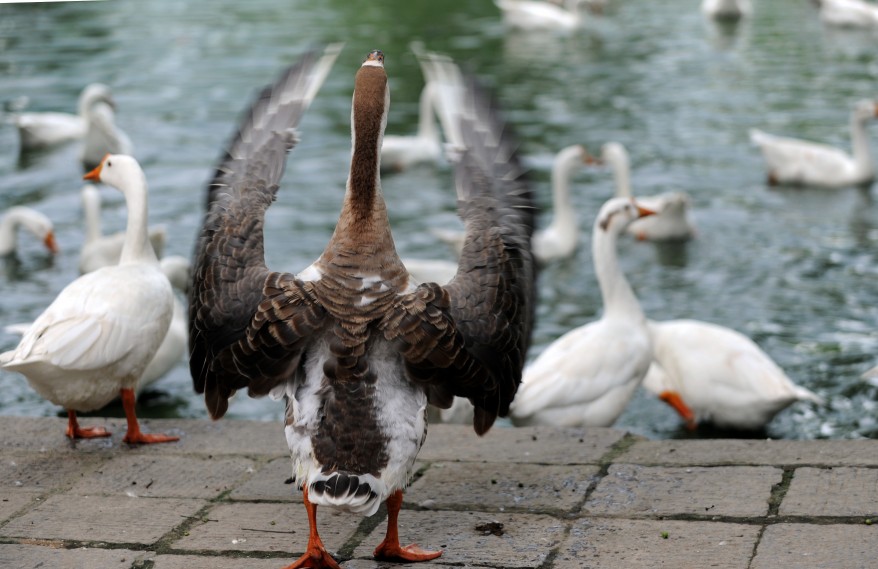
(95, 175)
(876, 110)
(643, 211)
(591, 160)
(673, 399)
(50, 243)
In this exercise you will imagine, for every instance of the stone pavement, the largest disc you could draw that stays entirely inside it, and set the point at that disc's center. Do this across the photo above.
(517, 498)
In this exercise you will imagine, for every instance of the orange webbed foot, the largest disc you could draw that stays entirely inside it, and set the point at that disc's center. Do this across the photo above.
(144, 439)
(87, 432)
(394, 552)
(315, 558)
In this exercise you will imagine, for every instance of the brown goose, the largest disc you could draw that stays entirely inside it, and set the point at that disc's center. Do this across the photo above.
(356, 348)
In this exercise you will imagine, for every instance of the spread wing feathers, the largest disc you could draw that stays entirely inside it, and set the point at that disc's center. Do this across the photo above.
(231, 284)
(470, 337)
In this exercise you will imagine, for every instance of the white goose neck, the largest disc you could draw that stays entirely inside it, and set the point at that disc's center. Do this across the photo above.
(427, 127)
(9, 223)
(860, 147)
(619, 298)
(136, 248)
(91, 209)
(621, 172)
(564, 217)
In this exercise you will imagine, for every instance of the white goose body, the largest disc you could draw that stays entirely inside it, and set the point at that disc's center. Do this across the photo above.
(849, 13)
(797, 162)
(173, 346)
(41, 130)
(671, 221)
(539, 15)
(722, 376)
(726, 10)
(587, 376)
(21, 217)
(98, 335)
(99, 250)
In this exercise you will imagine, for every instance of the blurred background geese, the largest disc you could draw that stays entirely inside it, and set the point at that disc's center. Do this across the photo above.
(541, 15)
(99, 250)
(351, 343)
(713, 374)
(848, 13)
(799, 162)
(29, 219)
(102, 136)
(726, 10)
(40, 130)
(95, 339)
(671, 221)
(587, 376)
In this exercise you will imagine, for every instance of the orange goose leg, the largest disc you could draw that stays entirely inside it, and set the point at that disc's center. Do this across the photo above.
(316, 556)
(74, 431)
(389, 549)
(673, 399)
(134, 436)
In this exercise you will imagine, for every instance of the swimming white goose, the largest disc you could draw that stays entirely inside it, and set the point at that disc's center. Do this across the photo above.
(719, 375)
(559, 239)
(671, 221)
(40, 130)
(99, 250)
(798, 162)
(587, 376)
(726, 10)
(26, 218)
(102, 136)
(355, 348)
(848, 13)
(95, 339)
(541, 15)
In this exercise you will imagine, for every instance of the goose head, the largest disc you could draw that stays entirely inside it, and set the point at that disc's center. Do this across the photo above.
(94, 93)
(120, 171)
(617, 213)
(866, 109)
(614, 154)
(34, 222)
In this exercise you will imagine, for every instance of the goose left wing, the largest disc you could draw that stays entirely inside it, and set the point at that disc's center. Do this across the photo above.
(470, 337)
(246, 323)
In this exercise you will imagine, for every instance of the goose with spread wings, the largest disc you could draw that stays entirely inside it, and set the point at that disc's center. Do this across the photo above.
(355, 347)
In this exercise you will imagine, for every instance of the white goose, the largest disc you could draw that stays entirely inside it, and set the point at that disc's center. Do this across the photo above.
(671, 221)
(96, 338)
(726, 10)
(714, 374)
(99, 250)
(26, 218)
(102, 136)
(798, 162)
(560, 238)
(539, 15)
(400, 152)
(40, 130)
(848, 13)
(587, 376)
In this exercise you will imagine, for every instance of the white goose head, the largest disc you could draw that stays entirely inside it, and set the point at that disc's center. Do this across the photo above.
(866, 109)
(617, 213)
(120, 171)
(29, 219)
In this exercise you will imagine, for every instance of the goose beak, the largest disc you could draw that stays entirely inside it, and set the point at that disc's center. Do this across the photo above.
(673, 399)
(95, 175)
(50, 242)
(591, 160)
(644, 211)
(375, 57)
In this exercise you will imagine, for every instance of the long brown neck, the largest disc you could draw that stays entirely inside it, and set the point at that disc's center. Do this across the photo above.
(363, 226)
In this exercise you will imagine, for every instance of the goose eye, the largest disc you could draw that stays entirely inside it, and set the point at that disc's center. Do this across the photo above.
(109, 163)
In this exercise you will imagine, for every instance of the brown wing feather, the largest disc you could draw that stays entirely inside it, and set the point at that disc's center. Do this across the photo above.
(234, 298)
(470, 337)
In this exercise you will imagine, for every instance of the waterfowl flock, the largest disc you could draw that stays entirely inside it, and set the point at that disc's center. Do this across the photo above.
(363, 343)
